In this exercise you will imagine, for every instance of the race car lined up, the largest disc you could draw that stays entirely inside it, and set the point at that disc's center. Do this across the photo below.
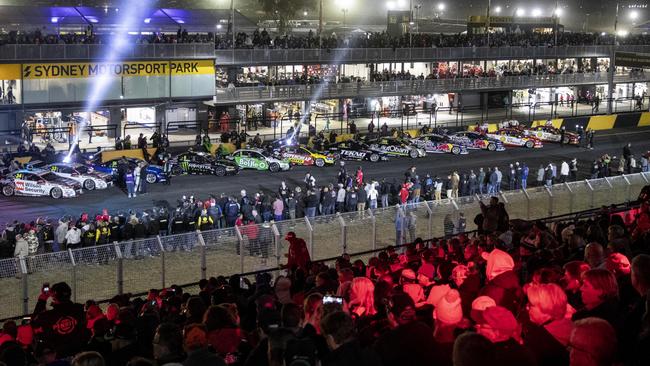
(87, 177)
(552, 134)
(300, 155)
(433, 143)
(396, 147)
(355, 150)
(192, 162)
(154, 173)
(473, 140)
(258, 159)
(514, 137)
(38, 182)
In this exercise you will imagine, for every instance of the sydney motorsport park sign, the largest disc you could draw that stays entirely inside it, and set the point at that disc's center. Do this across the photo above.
(121, 69)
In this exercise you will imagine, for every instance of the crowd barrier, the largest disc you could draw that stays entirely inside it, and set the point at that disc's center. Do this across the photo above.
(101, 272)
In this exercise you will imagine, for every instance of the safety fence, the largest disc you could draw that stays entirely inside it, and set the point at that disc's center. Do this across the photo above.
(104, 271)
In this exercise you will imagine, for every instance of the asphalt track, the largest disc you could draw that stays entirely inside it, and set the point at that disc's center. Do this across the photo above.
(611, 142)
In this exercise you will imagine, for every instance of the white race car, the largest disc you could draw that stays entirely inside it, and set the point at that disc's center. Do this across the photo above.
(89, 178)
(39, 183)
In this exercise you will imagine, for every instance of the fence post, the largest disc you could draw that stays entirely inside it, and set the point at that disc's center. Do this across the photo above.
(591, 204)
(120, 268)
(278, 245)
(240, 245)
(568, 187)
(550, 201)
(373, 234)
(644, 177)
(310, 239)
(609, 183)
(162, 261)
(503, 198)
(204, 266)
(429, 220)
(344, 232)
(25, 284)
(527, 203)
(629, 188)
(74, 275)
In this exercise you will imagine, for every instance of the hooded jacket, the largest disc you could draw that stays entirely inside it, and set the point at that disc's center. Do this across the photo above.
(503, 284)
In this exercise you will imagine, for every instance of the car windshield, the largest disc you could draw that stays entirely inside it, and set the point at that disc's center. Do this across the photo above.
(264, 153)
(81, 169)
(50, 177)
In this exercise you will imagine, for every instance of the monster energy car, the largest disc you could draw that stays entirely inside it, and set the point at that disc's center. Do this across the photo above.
(396, 147)
(258, 159)
(38, 182)
(433, 143)
(355, 150)
(202, 163)
(82, 174)
(300, 155)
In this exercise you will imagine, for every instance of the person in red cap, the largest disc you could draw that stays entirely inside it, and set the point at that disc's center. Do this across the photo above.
(298, 256)
(500, 327)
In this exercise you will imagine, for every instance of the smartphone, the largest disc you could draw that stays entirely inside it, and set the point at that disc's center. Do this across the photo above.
(243, 284)
(46, 287)
(26, 320)
(327, 299)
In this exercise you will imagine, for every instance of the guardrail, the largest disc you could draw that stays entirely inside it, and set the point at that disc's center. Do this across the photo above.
(135, 266)
(53, 52)
(412, 87)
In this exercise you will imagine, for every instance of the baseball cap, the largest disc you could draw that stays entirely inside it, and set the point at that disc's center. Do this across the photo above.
(408, 274)
(479, 305)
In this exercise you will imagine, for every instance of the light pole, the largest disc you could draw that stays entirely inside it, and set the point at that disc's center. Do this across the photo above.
(556, 14)
(487, 23)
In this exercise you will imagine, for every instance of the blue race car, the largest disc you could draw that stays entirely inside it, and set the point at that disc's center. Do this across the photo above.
(154, 173)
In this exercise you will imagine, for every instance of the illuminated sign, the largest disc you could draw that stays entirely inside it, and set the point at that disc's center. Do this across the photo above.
(121, 69)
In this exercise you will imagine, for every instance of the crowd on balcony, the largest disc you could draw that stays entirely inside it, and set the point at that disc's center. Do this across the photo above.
(513, 293)
(262, 39)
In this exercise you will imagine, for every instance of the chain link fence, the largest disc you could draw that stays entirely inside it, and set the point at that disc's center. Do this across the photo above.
(136, 266)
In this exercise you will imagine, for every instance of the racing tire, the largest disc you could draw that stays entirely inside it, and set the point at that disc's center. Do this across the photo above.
(319, 163)
(8, 190)
(455, 150)
(492, 146)
(89, 184)
(56, 193)
(274, 167)
(150, 178)
(177, 170)
(374, 158)
(530, 144)
(219, 171)
(413, 154)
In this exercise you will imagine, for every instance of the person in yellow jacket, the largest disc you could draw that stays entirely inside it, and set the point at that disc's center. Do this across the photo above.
(204, 221)
(102, 234)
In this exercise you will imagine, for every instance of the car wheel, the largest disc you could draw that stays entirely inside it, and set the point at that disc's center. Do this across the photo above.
(320, 163)
(413, 153)
(492, 146)
(530, 144)
(177, 170)
(89, 184)
(374, 158)
(56, 193)
(8, 190)
(151, 178)
(219, 171)
(455, 150)
(274, 167)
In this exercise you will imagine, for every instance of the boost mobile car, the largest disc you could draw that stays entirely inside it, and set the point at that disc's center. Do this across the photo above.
(396, 147)
(39, 182)
(433, 143)
(87, 177)
(473, 140)
(514, 137)
(355, 150)
(154, 173)
(552, 134)
(192, 162)
(300, 155)
(258, 159)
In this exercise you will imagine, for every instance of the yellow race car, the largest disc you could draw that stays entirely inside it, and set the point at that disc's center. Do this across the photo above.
(301, 155)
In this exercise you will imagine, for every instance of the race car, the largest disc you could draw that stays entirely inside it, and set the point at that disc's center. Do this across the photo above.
(514, 137)
(433, 143)
(475, 141)
(396, 147)
(192, 162)
(552, 134)
(86, 176)
(154, 173)
(258, 159)
(38, 182)
(355, 150)
(300, 155)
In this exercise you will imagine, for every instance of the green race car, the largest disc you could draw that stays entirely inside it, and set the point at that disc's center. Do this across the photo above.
(258, 159)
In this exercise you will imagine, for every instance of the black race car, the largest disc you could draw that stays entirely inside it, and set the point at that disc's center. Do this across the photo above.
(355, 150)
(396, 147)
(192, 162)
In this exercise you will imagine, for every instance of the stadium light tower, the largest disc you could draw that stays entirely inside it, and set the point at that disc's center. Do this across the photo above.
(497, 10)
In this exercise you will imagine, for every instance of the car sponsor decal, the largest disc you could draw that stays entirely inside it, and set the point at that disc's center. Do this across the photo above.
(353, 154)
(20, 186)
(391, 148)
(251, 163)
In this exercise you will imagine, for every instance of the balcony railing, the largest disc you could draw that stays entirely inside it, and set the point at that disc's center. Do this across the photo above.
(53, 52)
(412, 87)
